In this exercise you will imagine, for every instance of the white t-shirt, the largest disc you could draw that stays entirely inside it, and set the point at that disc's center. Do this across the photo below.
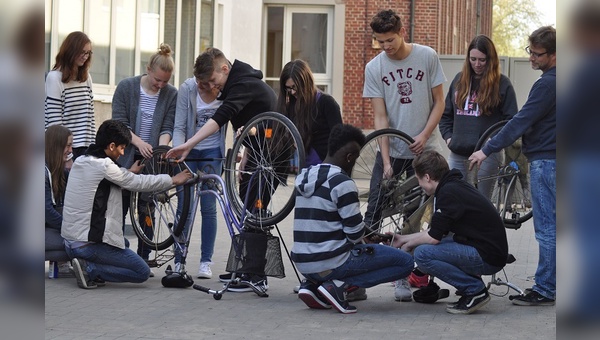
(204, 112)
(405, 85)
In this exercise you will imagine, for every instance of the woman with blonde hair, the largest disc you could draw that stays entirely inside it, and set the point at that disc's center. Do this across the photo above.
(146, 104)
(479, 96)
(69, 97)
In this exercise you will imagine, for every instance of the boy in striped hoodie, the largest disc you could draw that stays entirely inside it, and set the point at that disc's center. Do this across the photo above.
(329, 228)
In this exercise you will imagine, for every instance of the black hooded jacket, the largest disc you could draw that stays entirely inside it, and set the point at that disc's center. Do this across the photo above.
(244, 96)
(463, 210)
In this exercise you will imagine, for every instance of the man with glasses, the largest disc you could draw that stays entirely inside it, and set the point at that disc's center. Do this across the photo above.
(536, 122)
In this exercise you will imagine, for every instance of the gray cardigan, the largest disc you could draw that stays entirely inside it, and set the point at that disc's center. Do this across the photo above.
(185, 115)
(126, 108)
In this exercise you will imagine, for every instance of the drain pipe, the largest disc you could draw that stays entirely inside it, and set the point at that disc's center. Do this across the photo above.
(412, 20)
(478, 21)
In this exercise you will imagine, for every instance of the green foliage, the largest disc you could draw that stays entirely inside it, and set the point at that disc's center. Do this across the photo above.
(512, 22)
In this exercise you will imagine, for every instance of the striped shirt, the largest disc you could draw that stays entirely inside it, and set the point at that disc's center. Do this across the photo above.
(327, 219)
(147, 107)
(72, 106)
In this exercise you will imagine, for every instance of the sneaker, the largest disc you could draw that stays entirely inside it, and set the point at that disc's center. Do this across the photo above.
(225, 278)
(357, 294)
(204, 272)
(245, 285)
(418, 281)
(296, 289)
(402, 291)
(99, 282)
(65, 269)
(335, 293)
(151, 273)
(83, 279)
(467, 304)
(309, 294)
(532, 298)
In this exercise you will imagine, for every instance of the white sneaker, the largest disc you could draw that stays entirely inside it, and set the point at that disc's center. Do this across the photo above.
(402, 291)
(205, 272)
(151, 273)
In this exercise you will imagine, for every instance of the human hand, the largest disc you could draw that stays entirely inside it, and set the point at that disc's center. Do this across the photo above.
(388, 171)
(419, 145)
(182, 177)
(136, 167)
(145, 149)
(180, 152)
(476, 158)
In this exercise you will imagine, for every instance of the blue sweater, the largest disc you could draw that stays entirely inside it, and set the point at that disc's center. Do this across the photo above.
(536, 122)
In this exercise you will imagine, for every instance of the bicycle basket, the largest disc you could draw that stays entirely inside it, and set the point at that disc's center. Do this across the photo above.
(256, 253)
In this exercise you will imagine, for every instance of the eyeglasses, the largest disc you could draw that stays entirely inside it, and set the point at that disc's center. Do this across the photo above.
(291, 88)
(86, 53)
(533, 54)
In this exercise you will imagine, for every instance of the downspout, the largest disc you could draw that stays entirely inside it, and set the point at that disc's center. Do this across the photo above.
(478, 21)
(412, 20)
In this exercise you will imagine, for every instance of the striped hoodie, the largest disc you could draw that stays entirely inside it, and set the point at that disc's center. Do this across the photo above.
(327, 221)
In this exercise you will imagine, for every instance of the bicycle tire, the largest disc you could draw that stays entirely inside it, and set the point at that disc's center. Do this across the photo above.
(270, 143)
(393, 200)
(510, 185)
(157, 209)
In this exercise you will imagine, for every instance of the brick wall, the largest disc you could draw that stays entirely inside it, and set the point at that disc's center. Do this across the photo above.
(446, 25)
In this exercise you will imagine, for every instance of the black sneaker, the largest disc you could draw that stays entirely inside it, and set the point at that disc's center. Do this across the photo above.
(336, 295)
(83, 279)
(246, 284)
(532, 298)
(225, 277)
(467, 304)
(309, 294)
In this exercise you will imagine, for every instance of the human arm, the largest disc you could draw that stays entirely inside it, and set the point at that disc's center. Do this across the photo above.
(381, 122)
(53, 217)
(181, 115)
(53, 108)
(166, 129)
(418, 146)
(447, 121)
(180, 152)
(536, 107)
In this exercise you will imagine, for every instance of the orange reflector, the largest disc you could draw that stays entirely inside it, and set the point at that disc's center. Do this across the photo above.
(148, 221)
(258, 204)
(268, 133)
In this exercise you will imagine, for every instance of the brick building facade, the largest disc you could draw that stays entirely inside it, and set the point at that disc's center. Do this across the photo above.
(446, 25)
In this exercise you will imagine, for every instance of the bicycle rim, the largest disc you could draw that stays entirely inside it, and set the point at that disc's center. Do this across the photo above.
(272, 149)
(154, 214)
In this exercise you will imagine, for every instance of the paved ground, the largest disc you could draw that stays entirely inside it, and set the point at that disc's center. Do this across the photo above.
(150, 311)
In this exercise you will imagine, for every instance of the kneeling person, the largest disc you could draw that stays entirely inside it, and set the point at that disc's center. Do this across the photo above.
(328, 229)
(92, 215)
(477, 245)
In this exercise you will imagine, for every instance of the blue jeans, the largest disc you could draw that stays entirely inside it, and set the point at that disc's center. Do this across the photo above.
(457, 264)
(208, 204)
(489, 167)
(543, 199)
(369, 267)
(110, 263)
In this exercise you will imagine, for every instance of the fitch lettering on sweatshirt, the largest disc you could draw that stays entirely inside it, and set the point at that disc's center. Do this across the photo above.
(402, 79)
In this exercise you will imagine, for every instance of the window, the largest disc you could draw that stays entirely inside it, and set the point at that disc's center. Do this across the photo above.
(294, 32)
(125, 33)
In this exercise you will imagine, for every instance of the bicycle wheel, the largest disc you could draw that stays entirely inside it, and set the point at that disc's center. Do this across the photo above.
(509, 184)
(261, 168)
(387, 204)
(154, 214)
